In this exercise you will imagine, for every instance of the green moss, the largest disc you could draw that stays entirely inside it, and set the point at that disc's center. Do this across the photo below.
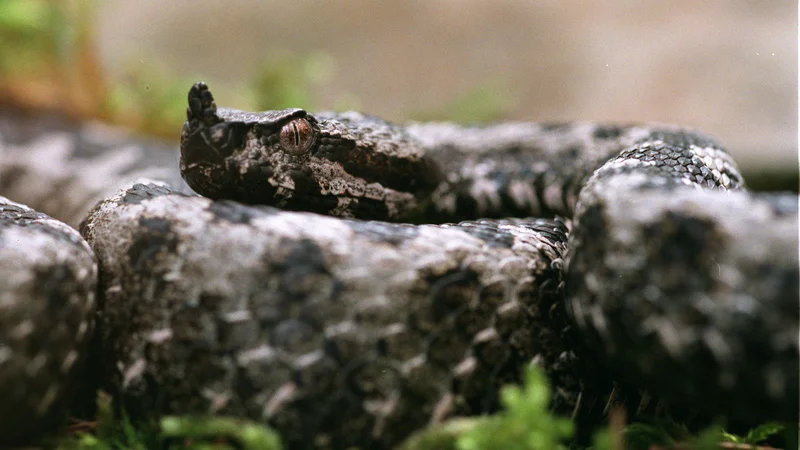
(171, 432)
(526, 424)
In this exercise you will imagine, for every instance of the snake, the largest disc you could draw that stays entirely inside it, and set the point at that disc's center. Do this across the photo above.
(349, 281)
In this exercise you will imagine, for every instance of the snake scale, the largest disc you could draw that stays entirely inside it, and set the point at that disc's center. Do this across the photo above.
(349, 281)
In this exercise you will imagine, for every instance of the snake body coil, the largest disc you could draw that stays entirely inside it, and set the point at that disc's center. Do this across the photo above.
(641, 276)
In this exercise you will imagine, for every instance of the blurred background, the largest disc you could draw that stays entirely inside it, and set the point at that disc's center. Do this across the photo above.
(727, 68)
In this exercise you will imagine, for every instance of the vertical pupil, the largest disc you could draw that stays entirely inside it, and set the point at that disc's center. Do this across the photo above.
(296, 137)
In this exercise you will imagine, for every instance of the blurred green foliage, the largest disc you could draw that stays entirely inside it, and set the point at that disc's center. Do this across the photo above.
(287, 81)
(199, 433)
(32, 31)
(489, 101)
(112, 433)
(524, 424)
(759, 433)
(47, 61)
(148, 99)
(219, 433)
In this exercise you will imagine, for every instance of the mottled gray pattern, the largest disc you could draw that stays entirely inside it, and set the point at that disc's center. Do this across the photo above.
(48, 276)
(346, 333)
(63, 169)
(697, 294)
(337, 331)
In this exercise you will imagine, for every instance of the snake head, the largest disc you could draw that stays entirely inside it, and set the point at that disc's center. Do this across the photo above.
(348, 165)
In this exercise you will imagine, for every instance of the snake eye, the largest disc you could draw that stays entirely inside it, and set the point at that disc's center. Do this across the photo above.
(297, 137)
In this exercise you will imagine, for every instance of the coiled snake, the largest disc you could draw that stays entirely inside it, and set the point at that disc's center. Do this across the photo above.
(652, 280)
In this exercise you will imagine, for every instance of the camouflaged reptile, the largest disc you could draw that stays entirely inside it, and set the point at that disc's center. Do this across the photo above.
(393, 281)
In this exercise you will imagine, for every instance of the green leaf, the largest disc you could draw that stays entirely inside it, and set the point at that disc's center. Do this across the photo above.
(641, 436)
(757, 434)
(525, 424)
(206, 432)
(708, 439)
(441, 437)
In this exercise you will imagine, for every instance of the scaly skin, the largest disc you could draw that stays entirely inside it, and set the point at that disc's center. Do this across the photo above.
(48, 276)
(337, 333)
(342, 333)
